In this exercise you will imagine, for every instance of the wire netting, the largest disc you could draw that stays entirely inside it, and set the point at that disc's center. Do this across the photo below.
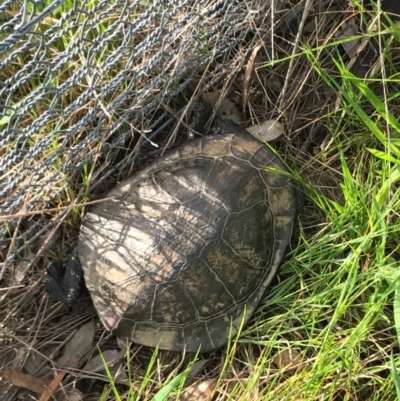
(78, 79)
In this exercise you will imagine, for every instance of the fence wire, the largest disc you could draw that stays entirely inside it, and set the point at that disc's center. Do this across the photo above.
(80, 78)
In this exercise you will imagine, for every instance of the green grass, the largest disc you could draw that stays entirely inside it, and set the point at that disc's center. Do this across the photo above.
(335, 306)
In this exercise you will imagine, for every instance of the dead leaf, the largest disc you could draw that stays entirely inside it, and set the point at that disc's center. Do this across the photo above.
(247, 74)
(348, 30)
(110, 357)
(268, 130)
(123, 344)
(78, 346)
(73, 395)
(118, 372)
(287, 359)
(18, 379)
(199, 391)
(53, 385)
(226, 109)
(195, 370)
(36, 363)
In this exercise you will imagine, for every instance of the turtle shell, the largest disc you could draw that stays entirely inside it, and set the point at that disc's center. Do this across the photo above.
(182, 253)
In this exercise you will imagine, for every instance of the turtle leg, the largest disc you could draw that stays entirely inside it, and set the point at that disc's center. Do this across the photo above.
(64, 283)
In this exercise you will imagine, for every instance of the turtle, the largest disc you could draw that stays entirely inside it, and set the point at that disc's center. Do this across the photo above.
(179, 255)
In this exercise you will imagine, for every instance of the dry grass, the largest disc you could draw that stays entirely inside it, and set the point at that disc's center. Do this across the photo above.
(325, 329)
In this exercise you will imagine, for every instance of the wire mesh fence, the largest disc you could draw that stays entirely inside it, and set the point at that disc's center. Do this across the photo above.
(80, 79)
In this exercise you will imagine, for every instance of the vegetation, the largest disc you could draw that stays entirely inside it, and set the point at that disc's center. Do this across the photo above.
(329, 327)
